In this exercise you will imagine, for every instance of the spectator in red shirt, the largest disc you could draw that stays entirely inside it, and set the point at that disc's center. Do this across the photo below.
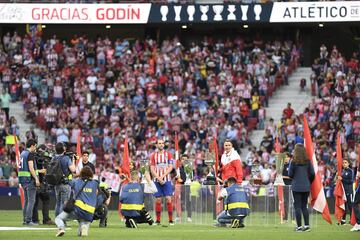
(288, 112)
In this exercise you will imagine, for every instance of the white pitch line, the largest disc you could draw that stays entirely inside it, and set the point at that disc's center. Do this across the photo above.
(26, 229)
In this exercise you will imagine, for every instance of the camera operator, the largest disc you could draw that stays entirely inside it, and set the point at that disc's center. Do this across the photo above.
(102, 203)
(43, 192)
(29, 180)
(63, 190)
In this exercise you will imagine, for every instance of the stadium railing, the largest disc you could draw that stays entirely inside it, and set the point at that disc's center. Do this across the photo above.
(204, 207)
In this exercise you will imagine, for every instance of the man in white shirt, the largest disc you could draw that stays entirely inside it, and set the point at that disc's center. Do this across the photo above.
(265, 173)
(91, 80)
(92, 156)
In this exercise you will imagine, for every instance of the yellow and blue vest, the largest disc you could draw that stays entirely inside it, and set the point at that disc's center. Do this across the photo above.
(86, 201)
(132, 200)
(24, 171)
(236, 202)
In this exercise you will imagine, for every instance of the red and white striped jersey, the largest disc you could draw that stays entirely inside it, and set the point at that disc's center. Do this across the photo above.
(161, 161)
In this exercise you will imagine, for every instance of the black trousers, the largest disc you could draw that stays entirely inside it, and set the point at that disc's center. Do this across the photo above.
(143, 218)
(348, 206)
(44, 196)
(101, 213)
(300, 205)
(287, 192)
(186, 199)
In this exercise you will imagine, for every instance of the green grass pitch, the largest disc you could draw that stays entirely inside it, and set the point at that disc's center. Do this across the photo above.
(258, 226)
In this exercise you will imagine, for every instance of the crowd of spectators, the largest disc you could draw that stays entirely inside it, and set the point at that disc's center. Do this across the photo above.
(335, 109)
(144, 89)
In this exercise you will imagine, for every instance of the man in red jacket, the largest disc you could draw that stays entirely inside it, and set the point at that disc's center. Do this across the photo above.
(231, 163)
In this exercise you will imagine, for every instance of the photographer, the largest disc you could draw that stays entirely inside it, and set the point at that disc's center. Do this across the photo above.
(132, 203)
(236, 205)
(43, 193)
(62, 190)
(102, 203)
(84, 198)
(29, 180)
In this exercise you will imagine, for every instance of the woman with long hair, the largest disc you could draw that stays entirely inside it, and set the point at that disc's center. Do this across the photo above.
(84, 194)
(302, 173)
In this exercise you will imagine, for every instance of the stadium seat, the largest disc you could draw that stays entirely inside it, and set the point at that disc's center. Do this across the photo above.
(270, 90)
(40, 121)
(351, 143)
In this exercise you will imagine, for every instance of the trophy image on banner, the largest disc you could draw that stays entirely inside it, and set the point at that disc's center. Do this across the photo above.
(204, 10)
(257, 11)
(279, 161)
(218, 10)
(191, 11)
(188, 168)
(144, 164)
(231, 16)
(210, 162)
(177, 10)
(244, 10)
(164, 11)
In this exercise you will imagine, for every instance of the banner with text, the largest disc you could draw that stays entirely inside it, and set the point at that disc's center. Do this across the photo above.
(75, 13)
(316, 12)
(143, 13)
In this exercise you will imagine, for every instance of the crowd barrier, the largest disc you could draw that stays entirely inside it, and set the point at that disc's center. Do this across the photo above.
(201, 205)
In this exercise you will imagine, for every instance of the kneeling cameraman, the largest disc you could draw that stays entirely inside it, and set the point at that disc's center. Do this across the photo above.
(236, 205)
(43, 192)
(102, 203)
(132, 203)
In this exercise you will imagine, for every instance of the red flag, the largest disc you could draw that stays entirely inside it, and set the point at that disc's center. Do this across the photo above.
(125, 167)
(318, 199)
(339, 193)
(18, 163)
(78, 147)
(353, 219)
(216, 149)
(177, 158)
(279, 187)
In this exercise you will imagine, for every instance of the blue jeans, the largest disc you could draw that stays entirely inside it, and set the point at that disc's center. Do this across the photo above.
(63, 216)
(225, 218)
(58, 101)
(62, 194)
(29, 195)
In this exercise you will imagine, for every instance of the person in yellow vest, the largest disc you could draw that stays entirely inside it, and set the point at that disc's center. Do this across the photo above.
(84, 194)
(29, 180)
(132, 203)
(236, 205)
